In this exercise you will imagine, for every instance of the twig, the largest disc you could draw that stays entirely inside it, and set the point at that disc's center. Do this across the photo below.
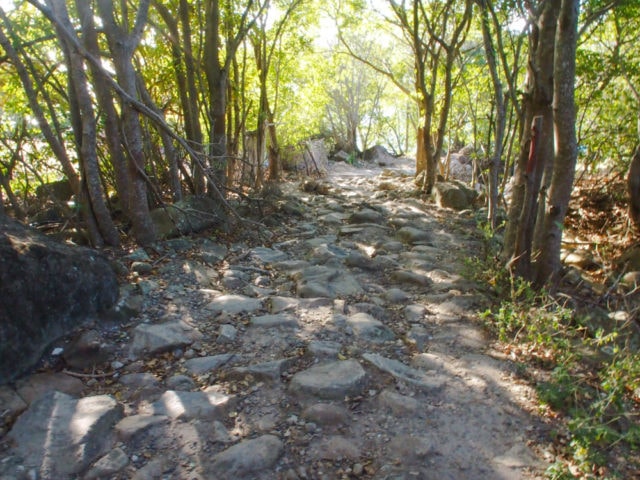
(88, 375)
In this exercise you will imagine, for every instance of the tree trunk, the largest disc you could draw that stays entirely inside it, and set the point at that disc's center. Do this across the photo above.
(633, 183)
(88, 154)
(566, 143)
(500, 118)
(54, 142)
(528, 175)
(104, 97)
(122, 46)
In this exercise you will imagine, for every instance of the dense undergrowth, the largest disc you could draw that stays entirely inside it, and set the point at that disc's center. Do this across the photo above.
(587, 380)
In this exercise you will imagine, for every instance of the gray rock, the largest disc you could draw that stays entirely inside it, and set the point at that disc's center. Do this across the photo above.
(453, 195)
(326, 414)
(396, 295)
(400, 371)
(140, 386)
(419, 336)
(411, 278)
(212, 253)
(163, 337)
(134, 425)
(138, 255)
(193, 214)
(234, 304)
(331, 381)
(415, 313)
(201, 274)
(268, 371)
(366, 215)
(12, 405)
(35, 386)
(411, 235)
(336, 448)
(324, 349)
(397, 404)
(86, 351)
(268, 255)
(209, 404)
(282, 304)
(60, 436)
(112, 463)
(142, 268)
(321, 281)
(47, 289)
(227, 334)
(180, 382)
(275, 321)
(366, 327)
(247, 457)
(200, 365)
(409, 448)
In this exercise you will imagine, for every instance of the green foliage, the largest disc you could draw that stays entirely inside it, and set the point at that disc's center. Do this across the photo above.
(592, 382)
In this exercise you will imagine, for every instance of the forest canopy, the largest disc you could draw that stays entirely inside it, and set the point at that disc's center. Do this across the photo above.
(136, 104)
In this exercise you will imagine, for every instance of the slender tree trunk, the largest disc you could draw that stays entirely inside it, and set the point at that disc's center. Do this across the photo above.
(564, 109)
(54, 142)
(500, 117)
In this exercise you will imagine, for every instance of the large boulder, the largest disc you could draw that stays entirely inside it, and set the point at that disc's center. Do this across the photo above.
(191, 215)
(453, 195)
(46, 289)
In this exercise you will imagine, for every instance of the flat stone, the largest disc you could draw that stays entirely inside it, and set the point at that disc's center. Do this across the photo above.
(398, 404)
(331, 381)
(400, 371)
(366, 215)
(12, 405)
(275, 321)
(35, 386)
(336, 448)
(268, 255)
(60, 436)
(140, 386)
(112, 463)
(180, 382)
(396, 295)
(326, 414)
(415, 313)
(282, 304)
(134, 425)
(269, 371)
(212, 253)
(247, 457)
(321, 281)
(163, 337)
(200, 365)
(409, 448)
(411, 235)
(366, 327)
(411, 278)
(324, 349)
(419, 336)
(208, 405)
(234, 304)
(227, 334)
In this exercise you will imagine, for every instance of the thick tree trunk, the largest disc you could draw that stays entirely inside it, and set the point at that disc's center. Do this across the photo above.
(104, 97)
(122, 46)
(565, 140)
(88, 150)
(538, 101)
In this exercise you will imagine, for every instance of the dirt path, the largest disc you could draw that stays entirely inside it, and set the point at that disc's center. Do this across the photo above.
(343, 343)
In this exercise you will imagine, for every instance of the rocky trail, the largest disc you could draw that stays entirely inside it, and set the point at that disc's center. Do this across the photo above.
(343, 343)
